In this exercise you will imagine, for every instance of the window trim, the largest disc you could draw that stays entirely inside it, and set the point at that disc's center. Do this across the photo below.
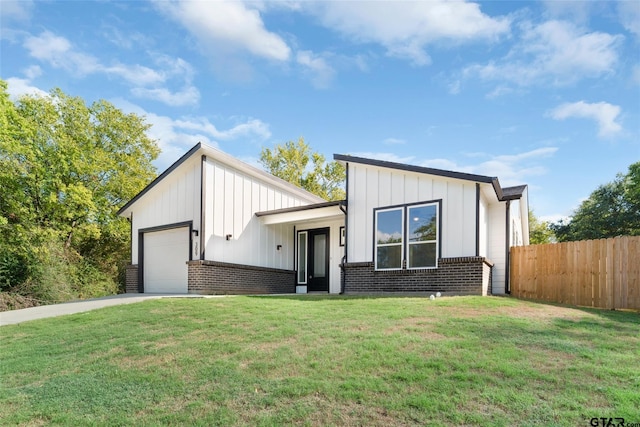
(404, 208)
(376, 211)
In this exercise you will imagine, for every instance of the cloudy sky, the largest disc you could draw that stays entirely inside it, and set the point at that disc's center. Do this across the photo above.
(543, 93)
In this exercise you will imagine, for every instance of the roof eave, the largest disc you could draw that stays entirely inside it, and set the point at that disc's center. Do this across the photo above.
(425, 170)
(225, 159)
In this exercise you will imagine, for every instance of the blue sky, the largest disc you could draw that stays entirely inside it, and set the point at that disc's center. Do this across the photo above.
(539, 93)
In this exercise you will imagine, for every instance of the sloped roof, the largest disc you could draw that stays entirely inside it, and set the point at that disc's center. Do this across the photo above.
(214, 153)
(513, 192)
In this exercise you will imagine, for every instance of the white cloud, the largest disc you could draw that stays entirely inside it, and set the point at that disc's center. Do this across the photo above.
(32, 72)
(317, 67)
(176, 136)
(635, 75)
(252, 127)
(58, 52)
(511, 169)
(406, 31)
(574, 11)
(17, 87)
(148, 83)
(556, 52)
(134, 74)
(394, 141)
(454, 87)
(16, 10)
(629, 12)
(388, 157)
(189, 95)
(605, 115)
(227, 26)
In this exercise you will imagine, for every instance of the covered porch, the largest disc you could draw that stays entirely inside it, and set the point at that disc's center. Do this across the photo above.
(318, 238)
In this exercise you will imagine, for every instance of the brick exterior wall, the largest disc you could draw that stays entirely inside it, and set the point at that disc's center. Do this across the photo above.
(131, 278)
(460, 276)
(220, 278)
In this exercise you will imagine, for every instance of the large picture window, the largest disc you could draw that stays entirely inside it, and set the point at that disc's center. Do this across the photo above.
(408, 232)
(389, 239)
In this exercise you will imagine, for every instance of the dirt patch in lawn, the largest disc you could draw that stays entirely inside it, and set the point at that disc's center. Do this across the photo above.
(529, 311)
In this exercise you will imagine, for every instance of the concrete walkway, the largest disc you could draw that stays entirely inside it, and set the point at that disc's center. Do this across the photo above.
(18, 316)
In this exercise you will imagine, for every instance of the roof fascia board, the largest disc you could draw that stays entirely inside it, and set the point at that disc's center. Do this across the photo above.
(412, 168)
(301, 208)
(497, 188)
(424, 170)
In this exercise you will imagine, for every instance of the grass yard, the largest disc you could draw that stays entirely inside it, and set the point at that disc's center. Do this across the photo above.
(323, 361)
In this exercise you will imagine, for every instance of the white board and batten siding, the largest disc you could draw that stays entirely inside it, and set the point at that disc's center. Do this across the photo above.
(496, 246)
(498, 239)
(175, 199)
(374, 187)
(232, 198)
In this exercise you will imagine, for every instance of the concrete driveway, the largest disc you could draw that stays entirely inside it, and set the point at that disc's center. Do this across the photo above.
(18, 316)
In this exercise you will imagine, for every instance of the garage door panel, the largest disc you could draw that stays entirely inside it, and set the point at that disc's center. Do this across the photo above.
(166, 254)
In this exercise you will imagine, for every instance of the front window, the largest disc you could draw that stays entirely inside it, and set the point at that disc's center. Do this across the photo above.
(408, 232)
(423, 232)
(389, 239)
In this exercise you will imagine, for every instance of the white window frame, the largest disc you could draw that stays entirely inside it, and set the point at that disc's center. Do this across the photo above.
(375, 237)
(409, 243)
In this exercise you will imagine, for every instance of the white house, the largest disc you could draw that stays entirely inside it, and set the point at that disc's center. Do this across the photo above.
(213, 224)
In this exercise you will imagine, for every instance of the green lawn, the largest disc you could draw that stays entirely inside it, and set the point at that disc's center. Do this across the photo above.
(323, 361)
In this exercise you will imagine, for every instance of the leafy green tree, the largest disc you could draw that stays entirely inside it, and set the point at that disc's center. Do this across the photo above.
(539, 231)
(65, 169)
(613, 209)
(297, 164)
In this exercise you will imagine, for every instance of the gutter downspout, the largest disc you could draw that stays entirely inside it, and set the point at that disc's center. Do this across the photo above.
(343, 208)
(477, 219)
(507, 288)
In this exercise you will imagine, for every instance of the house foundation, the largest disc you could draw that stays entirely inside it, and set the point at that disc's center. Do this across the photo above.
(131, 278)
(460, 276)
(220, 278)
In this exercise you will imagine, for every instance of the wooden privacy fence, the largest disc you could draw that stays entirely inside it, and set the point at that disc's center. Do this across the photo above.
(601, 273)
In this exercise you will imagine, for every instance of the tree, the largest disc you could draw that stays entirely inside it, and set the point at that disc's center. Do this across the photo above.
(613, 209)
(290, 162)
(539, 231)
(65, 169)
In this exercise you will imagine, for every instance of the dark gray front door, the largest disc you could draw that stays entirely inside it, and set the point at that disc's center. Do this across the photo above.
(318, 260)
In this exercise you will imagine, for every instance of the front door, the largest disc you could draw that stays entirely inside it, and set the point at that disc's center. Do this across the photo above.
(317, 261)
